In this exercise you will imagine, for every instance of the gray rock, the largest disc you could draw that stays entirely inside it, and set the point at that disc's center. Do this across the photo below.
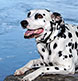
(45, 77)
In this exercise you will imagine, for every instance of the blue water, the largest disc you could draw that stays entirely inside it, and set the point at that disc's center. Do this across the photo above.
(15, 51)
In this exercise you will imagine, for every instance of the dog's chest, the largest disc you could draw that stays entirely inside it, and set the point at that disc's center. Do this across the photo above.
(45, 51)
(67, 45)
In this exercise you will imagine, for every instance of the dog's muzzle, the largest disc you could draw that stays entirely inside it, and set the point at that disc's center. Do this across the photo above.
(30, 33)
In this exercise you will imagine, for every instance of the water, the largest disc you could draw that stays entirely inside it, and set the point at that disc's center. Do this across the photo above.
(15, 51)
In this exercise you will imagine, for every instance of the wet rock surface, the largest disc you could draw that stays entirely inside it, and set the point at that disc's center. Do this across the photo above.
(49, 77)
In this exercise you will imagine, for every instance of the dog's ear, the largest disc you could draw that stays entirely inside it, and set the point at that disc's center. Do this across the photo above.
(56, 17)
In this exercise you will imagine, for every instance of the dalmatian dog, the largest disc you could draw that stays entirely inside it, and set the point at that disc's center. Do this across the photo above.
(57, 44)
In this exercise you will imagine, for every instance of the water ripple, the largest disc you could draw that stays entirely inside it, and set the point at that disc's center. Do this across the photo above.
(1, 59)
(71, 20)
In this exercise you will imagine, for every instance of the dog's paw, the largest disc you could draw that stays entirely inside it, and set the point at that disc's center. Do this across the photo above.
(19, 72)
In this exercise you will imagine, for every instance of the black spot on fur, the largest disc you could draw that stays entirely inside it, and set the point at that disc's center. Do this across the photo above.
(43, 14)
(45, 64)
(42, 73)
(44, 36)
(49, 39)
(49, 52)
(69, 35)
(69, 44)
(70, 50)
(70, 56)
(65, 56)
(76, 33)
(37, 65)
(29, 14)
(72, 46)
(64, 36)
(54, 37)
(51, 26)
(43, 20)
(56, 68)
(47, 68)
(34, 65)
(50, 63)
(41, 56)
(65, 69)
(55, 45)
(43, 49)
(47, 10)
(66, 27)
(77, 51)
(49, 49)
(76, 68)
(36, 16)
(60, 53)
(75, 45)
(41, 63)
(71, 40)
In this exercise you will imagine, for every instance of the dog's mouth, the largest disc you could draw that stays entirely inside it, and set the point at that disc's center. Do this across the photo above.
(30, 33)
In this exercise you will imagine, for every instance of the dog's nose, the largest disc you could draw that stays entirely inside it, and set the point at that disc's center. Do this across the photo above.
(24, 23)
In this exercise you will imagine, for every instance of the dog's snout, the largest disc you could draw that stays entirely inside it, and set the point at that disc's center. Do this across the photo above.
(24, 23)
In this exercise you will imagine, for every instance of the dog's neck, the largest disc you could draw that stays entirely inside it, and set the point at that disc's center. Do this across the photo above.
(55, 32)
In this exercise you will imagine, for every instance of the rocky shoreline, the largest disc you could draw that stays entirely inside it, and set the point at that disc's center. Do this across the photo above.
(45, 77)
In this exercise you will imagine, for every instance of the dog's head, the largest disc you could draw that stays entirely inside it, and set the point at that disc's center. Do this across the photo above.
(38, 22)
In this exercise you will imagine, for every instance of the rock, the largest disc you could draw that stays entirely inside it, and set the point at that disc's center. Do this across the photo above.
(48, 77)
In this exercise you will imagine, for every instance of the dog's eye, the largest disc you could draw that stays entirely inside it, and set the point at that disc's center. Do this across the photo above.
(38, 16)
(29, 14)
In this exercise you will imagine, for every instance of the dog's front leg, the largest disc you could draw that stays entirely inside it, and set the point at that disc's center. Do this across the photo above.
(49, 70)
(33, 75)
(30, 65)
